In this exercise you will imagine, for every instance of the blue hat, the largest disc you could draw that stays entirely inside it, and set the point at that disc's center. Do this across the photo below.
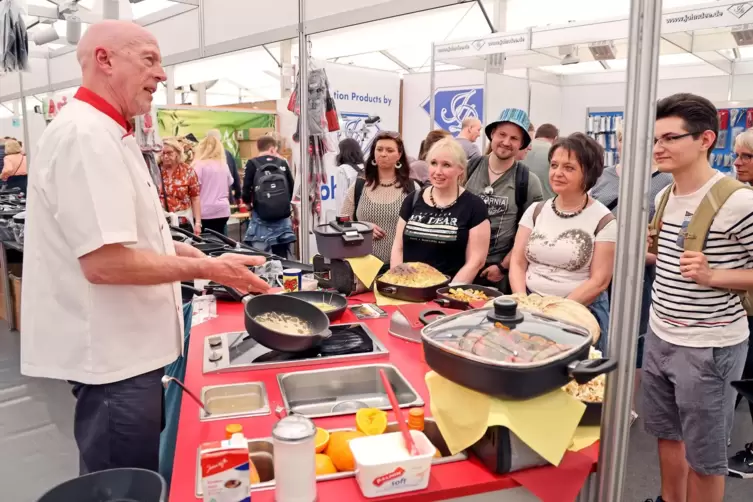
(514, 116)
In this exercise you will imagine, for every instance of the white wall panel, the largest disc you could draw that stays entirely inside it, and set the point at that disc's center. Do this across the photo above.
(316, 9)
(178, 34)
(8, 84)
(505, 92)
(546, 104)
(230, 19)
(64, 68)
(37, 77)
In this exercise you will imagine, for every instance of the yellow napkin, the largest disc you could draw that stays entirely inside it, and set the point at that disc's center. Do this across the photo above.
(545, 423)
(366, 268)
(382, 300)
(585, 436)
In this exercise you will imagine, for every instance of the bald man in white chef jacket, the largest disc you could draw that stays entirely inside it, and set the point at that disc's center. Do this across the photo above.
(102, 305)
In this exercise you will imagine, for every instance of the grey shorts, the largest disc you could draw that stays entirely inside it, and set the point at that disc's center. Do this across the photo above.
(687, 397)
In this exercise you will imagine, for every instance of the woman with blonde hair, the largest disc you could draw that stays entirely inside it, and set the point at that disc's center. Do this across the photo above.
(444, 225)
(215, 181)
(180, 190)
(14, 165)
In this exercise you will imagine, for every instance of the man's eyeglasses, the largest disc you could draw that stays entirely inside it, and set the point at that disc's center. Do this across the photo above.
(745, 157)
(672, 138)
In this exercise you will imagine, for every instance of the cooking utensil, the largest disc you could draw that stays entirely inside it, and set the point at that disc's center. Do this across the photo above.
(348, 406)
(444, 299)
(337, 301)
(409, 444)
(286, 305)
(343, 238)
(508, 353)
(166, 383)
(406, 322)
(409, 293)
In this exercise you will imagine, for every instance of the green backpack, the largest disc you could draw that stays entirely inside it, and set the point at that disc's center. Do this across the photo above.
(700, 223)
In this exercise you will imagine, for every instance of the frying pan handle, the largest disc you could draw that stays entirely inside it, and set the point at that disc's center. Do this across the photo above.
(234, 294)
(444, 302)
(323, 335)
(585, 371)
(191, 235)
(389, 290)
(423, 316)
(186, 287)
(224, 238)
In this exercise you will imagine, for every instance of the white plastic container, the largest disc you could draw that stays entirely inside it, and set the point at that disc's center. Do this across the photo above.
(384, 466)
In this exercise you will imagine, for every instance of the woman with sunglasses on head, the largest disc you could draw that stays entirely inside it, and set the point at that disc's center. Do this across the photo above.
(378, 196)
(447, 226)
(565, 245)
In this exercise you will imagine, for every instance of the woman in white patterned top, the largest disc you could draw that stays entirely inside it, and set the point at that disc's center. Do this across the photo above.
(377, 197)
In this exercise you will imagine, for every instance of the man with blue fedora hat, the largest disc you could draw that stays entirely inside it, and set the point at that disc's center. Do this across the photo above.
(506, 186)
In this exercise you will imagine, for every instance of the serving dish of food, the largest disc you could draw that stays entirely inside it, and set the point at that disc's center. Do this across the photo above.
(413, 282)
(591, 394)
(285, 323)
(510, 353)
(465, 296)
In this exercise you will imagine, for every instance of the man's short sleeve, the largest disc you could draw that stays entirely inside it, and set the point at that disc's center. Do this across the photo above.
(92, 192)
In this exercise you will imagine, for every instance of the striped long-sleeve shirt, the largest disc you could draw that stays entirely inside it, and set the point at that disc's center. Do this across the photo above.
(689, 314)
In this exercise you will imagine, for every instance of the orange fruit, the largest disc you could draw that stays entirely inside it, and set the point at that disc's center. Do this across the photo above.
(339, 451)
(324, 465)
(371, 421)
(321, 440)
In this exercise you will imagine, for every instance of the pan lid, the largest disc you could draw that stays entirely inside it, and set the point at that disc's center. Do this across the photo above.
(343, 226)
(506, 335)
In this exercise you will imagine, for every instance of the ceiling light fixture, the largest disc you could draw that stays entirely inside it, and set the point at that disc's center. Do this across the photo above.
(603, 51)
(569, 54)
(743, 34)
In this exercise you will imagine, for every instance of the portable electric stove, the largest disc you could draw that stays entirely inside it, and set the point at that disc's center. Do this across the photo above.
(336, 274)
(237, 351)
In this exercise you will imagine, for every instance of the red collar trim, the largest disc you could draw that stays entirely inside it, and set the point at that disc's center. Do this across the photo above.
(98, 102)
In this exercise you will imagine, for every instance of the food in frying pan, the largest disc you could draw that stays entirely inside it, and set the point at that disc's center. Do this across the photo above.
(500, 343)
(414, 275)
(591, 392)
(467, 295)
(284, 323)
(324, 307)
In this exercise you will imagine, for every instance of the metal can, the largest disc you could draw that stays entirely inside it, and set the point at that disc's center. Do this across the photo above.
(293, 439)
(292, 279)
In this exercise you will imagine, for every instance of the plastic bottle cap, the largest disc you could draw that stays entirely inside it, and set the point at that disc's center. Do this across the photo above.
(231, 429)
(416, 412)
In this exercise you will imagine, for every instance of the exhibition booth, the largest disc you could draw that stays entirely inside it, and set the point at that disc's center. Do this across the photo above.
(393, 65)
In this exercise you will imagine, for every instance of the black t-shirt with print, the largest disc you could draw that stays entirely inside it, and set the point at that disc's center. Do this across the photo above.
(438, 237)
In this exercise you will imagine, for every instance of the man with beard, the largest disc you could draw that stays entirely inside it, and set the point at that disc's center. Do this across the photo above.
(506, 186)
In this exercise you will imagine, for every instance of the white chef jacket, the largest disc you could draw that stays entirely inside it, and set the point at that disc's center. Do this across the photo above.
(89, 186)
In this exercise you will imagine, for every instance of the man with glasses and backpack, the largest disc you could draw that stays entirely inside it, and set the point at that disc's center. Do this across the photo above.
(697, 341)
(268, 190)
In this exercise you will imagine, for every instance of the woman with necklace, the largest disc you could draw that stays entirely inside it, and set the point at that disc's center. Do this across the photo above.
(446, 226)
(376, 198)
(565, 245)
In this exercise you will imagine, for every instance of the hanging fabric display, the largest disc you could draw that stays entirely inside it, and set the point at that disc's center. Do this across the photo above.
(14, 40)
(322, 118)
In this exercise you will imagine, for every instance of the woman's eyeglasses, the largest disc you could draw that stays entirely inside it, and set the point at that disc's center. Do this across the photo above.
(745, 157)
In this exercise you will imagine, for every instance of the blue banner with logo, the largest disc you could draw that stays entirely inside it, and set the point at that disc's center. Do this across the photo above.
(452, 106)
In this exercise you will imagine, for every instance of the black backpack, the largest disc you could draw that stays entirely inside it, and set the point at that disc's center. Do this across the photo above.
(521, 184)
(271, 191)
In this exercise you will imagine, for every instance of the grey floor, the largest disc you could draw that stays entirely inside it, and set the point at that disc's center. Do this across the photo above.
(37, 450)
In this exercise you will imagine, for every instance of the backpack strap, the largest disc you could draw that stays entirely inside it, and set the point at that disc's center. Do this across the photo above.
(473, 166)
(521, 190)
(360, 183)
(537, 211)
(700, 223)
(416, 195)
(603, 222)
(654, 228)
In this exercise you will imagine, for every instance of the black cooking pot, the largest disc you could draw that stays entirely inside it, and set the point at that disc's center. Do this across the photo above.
(504, 352)
(409, 293)
(444, 299)
(337, 301)
(286, 305)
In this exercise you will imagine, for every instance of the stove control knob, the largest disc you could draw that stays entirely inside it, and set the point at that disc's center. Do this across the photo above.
(215, 356)
(215, 341)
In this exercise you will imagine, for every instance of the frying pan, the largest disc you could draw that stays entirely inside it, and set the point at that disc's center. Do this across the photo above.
(281, 304)
(444, 299)
(336, 300)
(409, 293)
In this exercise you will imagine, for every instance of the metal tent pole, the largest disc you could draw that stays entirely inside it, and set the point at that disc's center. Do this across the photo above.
(303, 132)
(25, 118)
(632, 218)
(485, 101)
(432, 87)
